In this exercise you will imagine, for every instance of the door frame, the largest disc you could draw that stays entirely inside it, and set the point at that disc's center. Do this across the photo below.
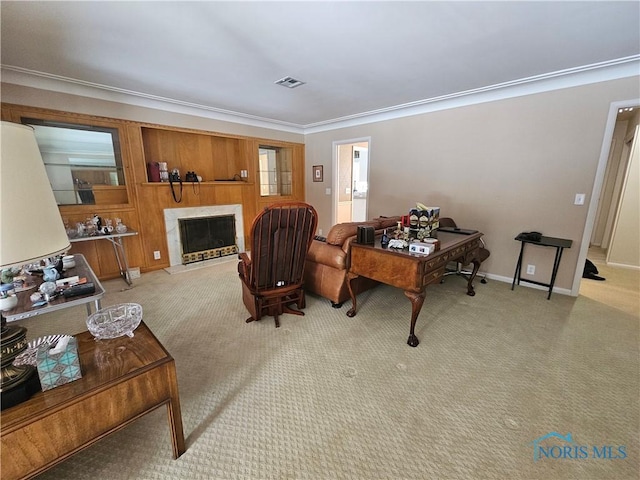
(597, 188)
(335, 179)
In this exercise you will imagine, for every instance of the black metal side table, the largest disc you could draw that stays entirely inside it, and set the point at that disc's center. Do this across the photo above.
(559, 243)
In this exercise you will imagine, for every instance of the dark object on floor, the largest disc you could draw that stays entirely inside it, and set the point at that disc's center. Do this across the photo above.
(590, 271)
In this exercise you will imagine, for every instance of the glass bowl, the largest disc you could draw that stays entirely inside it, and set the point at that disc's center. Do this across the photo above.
(115, 321)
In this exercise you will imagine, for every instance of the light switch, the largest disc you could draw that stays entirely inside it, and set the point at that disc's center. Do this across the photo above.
(579, 199)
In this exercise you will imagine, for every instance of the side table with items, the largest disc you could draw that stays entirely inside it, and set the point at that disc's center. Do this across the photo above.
(115, 239)
(122, 379)
(89, 293)
(84, 296)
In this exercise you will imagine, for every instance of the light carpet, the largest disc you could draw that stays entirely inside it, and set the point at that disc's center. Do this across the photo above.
(331, 397)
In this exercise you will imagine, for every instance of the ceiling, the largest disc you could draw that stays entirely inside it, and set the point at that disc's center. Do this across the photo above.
(357, 58)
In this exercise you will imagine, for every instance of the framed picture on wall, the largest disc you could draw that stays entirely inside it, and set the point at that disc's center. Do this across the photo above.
(317, 173)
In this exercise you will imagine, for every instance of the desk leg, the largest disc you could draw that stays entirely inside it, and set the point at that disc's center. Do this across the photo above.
(556, 264)
(121, 258)
(476, 266)
(175, 415)
(352, 310)
(417, 299)
(516, 276)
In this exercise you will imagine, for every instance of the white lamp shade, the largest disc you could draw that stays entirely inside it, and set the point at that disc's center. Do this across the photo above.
(30, 224)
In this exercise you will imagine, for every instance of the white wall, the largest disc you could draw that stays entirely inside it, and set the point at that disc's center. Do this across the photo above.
(502, 167)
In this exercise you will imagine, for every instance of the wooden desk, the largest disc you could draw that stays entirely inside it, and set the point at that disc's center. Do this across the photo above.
(24, 308)
(122, 379)
(412, 272)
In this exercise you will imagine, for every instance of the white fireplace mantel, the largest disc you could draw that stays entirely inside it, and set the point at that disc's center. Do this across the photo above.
(172, 215)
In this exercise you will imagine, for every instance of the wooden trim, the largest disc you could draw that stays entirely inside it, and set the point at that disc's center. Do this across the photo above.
(147, 200)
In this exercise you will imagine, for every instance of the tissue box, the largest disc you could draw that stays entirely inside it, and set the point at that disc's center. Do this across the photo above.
(58, 365)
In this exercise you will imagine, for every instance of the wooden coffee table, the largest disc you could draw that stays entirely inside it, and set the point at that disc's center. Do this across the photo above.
(412, 272)
(122, 380)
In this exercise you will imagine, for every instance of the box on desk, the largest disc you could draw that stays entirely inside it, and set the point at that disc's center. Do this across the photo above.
(422, 248)
(60, 364)
(423, 221)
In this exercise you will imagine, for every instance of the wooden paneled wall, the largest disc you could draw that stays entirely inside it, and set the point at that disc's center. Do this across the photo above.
(216, 157)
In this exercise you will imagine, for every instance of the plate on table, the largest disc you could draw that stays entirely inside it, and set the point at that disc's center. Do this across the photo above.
(28, 357)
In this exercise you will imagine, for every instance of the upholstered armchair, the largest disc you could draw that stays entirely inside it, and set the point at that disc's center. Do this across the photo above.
(272, 274)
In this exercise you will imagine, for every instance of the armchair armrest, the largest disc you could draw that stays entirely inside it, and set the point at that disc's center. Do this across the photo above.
(244, 267)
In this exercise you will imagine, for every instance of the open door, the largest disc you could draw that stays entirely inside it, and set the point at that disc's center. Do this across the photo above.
(351, 180)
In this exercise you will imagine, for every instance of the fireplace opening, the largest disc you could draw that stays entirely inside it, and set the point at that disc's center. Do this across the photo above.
(203, 238)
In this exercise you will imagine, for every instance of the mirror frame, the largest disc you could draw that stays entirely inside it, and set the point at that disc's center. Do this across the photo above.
(88, 123)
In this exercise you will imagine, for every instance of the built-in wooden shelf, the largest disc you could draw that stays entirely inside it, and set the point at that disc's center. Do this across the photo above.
(188, 184)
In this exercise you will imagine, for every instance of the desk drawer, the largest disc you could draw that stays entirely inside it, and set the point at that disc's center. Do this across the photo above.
(433, 264)
(433, 276)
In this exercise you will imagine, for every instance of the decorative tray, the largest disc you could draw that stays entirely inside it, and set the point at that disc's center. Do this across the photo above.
(28, 357)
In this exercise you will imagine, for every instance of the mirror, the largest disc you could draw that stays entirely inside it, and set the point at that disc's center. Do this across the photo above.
(275, 171)
(83, 162)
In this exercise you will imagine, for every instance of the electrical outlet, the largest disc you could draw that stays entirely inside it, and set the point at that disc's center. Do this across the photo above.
(243, 173)
(319, 231)
(156, 255)
(531, 269)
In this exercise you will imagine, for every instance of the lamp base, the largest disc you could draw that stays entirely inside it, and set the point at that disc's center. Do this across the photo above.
(22, 391)
(18, 383)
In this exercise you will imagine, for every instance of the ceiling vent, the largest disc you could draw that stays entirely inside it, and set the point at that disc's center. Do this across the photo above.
(289, 82)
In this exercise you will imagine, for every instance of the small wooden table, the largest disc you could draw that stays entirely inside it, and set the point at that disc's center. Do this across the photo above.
(412, 272)
(122, 380)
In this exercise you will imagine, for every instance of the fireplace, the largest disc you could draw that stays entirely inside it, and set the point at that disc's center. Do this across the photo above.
(203, 238)
(201, 233)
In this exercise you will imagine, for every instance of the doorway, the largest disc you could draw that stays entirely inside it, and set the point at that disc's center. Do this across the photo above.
(351, 180)
(610, 189)
(623, 144)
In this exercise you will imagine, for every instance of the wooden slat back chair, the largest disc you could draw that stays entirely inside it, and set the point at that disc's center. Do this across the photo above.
(272, 276)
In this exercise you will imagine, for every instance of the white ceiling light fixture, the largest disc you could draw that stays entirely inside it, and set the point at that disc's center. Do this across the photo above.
(289, 82)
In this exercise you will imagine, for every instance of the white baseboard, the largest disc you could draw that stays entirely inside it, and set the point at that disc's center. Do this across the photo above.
(509, 280)
(622, 265)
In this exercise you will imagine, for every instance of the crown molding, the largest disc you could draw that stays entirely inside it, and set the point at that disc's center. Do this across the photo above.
(56, 83)
(573, 77)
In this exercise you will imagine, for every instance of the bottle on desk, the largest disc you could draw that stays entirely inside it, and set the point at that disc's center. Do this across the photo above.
(384, 241)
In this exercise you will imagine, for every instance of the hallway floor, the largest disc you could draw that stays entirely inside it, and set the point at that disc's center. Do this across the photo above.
(620, 290)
